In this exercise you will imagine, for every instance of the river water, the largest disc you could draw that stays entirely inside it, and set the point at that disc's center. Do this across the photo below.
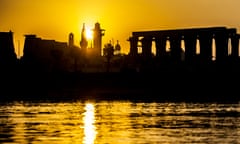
(118, 122)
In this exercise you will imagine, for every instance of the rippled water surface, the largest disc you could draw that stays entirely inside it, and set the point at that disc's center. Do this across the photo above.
(119, 122)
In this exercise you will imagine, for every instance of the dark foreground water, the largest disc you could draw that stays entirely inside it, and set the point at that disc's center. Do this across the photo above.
(119, 122)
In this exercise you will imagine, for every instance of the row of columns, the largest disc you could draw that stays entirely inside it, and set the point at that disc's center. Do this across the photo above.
(190, 37)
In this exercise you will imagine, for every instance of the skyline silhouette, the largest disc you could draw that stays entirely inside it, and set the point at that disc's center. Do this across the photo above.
(191, 46)
(49, 66)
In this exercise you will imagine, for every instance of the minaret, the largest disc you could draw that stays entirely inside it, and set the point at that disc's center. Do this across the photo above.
(71, 40)
(83, 42)
(97, 39)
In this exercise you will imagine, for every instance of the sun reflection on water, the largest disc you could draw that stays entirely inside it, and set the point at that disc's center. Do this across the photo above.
(89, 127)
(119, 123)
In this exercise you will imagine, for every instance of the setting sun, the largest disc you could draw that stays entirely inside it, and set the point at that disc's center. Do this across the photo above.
(89, 34)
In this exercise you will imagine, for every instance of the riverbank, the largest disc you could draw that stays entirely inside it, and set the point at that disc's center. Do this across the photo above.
(182, 86)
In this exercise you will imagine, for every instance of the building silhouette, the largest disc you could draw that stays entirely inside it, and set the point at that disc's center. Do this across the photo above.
(95, 48)
(167, 71)
(97, 39)
(71, 40)
(221, 36)
(46, 55)
(8, 57)
(51, 56)
(117, 48)
(84, 42)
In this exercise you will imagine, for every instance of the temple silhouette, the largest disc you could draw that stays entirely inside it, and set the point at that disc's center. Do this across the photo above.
(225, 52)
(53, 56)
(198, 57)
(8, 57)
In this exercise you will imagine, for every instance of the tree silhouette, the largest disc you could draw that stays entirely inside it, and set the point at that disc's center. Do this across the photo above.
(108, 52)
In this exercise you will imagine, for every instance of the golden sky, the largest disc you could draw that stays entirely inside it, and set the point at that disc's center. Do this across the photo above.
(55, 19)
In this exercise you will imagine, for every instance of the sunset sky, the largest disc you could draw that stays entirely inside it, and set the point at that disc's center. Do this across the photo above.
(55, 19)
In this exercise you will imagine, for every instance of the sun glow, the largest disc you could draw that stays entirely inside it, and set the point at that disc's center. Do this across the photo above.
(89, 33)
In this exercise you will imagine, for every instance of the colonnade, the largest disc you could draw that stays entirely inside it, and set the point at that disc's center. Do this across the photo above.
(223, 37)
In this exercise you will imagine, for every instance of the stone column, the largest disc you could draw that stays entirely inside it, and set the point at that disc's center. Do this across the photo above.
(160, 47)
(235, 45)
(221, 41)
(205, 40)
(133, 46)
(147, 46)
(190, 47)
(175, 47)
